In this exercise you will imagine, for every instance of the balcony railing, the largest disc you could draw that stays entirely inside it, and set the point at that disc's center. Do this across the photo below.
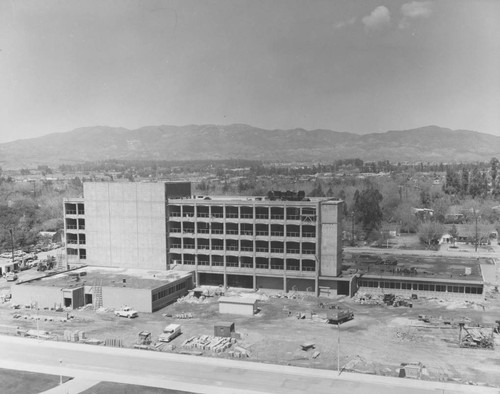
(292, 217)
(277, 267)
(308, 268)
(277, 250)
(217, 247)
(70, 212)
(232, 232)
(231, 216)
(308, 251)
(277, 233)
(308, 235)
(216, 231)
(71, 227)
(293, 251)
(262, 216)
(263, 266)
(291, 234)
(262, 250)
(246, 249)
(175, 214)
(263, 233)
(277, 217)
(218, 215)
(233, 248)
(203, 231)
(292, 268)
(176, 246)
(188, 262)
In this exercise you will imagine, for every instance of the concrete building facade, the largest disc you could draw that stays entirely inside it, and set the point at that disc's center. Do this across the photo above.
(231, 241)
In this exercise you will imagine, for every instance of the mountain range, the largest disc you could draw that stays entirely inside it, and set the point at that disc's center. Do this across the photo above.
(196, 142)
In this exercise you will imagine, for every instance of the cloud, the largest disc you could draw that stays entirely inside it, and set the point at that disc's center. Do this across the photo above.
(342, 24)
(379, 18)
(414, 10)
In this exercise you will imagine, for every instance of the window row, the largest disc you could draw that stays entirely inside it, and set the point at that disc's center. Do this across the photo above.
(421, 286)
(169, 291)
(244, 245)
(275, 230)
(305, 265)
(244, 212)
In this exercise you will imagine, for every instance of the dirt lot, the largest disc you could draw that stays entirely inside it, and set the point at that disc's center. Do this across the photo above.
(376, 341)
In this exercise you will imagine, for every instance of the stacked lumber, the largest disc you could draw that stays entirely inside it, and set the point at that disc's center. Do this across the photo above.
(209, 342)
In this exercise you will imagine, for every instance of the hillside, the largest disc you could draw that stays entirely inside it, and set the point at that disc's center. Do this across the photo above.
(191, 142)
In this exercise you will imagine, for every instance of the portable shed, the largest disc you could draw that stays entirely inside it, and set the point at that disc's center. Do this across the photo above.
(237, 306)
(223, 329)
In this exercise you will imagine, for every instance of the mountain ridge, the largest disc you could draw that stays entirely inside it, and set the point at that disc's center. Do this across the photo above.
(209, 141)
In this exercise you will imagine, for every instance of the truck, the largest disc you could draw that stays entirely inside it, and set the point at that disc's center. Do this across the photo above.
(170, 332)
(340, 316)
(126, 312)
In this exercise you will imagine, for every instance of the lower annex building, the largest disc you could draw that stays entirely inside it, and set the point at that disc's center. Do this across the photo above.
(251, 242)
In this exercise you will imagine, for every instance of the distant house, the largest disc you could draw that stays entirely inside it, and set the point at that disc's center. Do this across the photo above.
(423, 213)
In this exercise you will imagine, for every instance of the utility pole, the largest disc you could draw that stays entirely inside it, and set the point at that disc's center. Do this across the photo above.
(338, 348)
(12, 243)
(352, 234)
(476, 231)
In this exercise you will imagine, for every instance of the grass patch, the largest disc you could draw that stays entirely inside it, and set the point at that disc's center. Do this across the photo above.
(15, 382)
(122, 388)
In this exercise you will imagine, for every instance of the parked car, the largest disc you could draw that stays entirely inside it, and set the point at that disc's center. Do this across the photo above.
(170, 332)
(126, 312)
(10, 276)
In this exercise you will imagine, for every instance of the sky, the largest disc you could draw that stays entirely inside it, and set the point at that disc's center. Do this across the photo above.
(359, 66)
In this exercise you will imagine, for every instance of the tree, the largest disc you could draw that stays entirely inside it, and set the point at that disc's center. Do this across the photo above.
(454, 234)
(367, 207)
(430, 233)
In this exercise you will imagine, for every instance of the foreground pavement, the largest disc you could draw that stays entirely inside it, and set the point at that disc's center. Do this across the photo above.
(89, 364)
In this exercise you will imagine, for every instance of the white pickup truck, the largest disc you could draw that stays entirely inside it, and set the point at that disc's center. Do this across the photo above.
(126, 312)
(170, 332)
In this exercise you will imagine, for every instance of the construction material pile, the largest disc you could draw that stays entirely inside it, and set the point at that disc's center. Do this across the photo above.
(74, 336)
(477, 337)
(383, 299)
(209, 342)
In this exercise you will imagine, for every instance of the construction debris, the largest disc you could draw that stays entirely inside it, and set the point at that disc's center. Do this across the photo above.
(475, 337)
(411, 370)
(383, 299)
(308, 345)
(209, 342)
(315, 354)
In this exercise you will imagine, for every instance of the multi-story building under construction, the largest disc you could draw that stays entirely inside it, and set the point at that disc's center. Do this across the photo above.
(251, 242)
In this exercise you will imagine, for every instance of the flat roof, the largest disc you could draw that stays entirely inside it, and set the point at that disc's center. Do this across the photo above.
(250, 199)
(452, 269)
(238, 300)
(110, 277)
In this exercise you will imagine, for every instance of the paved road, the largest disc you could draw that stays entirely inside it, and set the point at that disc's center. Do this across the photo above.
(198, 374)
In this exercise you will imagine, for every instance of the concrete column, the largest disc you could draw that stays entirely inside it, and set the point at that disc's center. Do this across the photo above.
(284, 281)
(197, 278)
(254, 281)
(225, 280)
(316, 285)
